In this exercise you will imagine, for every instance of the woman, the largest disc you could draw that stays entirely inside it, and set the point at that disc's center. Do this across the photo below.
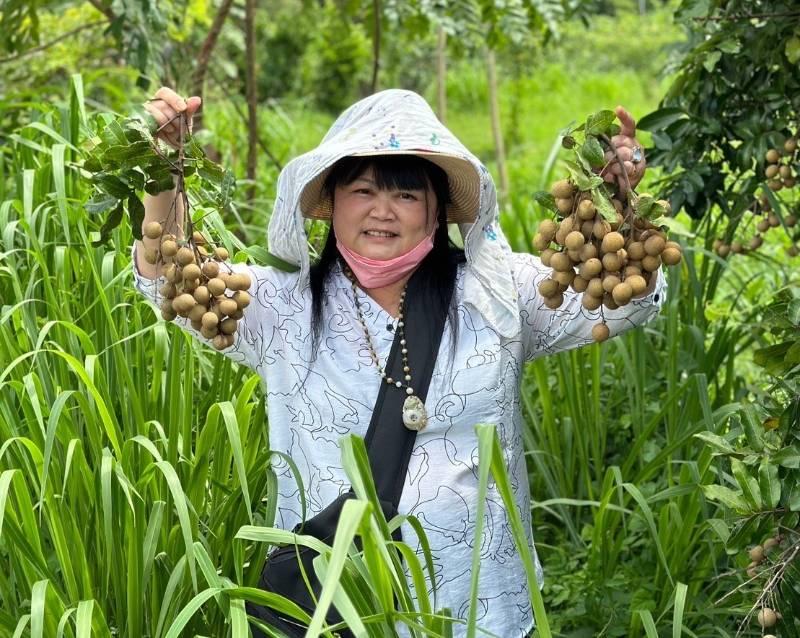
(390, 177)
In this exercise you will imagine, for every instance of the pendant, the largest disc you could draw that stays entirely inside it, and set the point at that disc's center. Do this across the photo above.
(414, 415)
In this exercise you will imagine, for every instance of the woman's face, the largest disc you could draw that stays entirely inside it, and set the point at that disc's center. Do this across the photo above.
(381, 224)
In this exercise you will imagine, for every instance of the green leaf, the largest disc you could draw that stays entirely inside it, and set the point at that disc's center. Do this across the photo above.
(599, 123)
(111, 184)
(716, 442)
(546, 201)
(788, 457)
(720, 527)
(727, 497)
(660, 119)
(792, 49)
(749, 485)
(592, 152)
(136, 215)
(100, 203)
(711, 59)
(112, 221)
(603, 205)
(770, 484)
(582, 179)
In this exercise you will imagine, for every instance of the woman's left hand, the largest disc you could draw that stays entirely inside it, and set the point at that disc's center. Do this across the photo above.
(630, 152)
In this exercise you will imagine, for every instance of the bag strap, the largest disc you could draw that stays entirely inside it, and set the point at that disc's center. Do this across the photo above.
(389, 442)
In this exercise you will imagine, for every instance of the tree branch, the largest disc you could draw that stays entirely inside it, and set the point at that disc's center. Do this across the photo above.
(47, 45)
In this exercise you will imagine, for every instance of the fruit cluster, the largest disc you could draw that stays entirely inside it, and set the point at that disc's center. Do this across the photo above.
(758, 554)
(781, 168)
(610, 261)
(768, 220)
(198, 284)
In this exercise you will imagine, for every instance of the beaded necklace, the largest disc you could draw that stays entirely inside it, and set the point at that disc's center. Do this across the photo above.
(414, 415)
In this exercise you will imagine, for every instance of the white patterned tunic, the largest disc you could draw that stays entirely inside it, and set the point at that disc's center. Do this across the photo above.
(311, 406)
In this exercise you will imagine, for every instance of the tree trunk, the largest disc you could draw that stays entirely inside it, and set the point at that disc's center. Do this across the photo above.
(252, 95)
(441, 74)
(497, 132)
(199, 76)
(376, 43)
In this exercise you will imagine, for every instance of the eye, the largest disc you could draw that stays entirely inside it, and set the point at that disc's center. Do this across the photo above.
(362, 191)
(411, 197)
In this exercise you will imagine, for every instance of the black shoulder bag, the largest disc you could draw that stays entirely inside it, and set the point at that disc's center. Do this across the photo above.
(389, 444)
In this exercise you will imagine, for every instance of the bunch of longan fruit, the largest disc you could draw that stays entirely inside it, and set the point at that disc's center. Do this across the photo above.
(781, 168)
(610, 262)
(200, 286)
(767, 617)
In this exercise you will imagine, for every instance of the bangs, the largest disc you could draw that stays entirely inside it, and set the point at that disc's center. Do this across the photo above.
(390, 172)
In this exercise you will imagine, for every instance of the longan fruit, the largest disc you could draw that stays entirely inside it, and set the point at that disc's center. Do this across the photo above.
(595, 287)
(622, 293)
(173, 273)
(220, 253)
(756, 553)
(548, 228)
(789, 182)
(590, 302)
(654, 245)
(774, 185)
(586, 229)
(564, 277)
(771, 171)
(546, 255)
(228, 306)
(168, 290)
(630, 271)
(608, 302)
(588, 251)
(636, 250)
(548, 287)
(562, 189)
(612, 262)
(210, 269)
(575, 256)
(216, 286)
(242, 281)
(773, 220)
(752, 569)
(785, 172)
(183, 303)
(790, 221)
(227, 326)
(191, 271)
(150, 255)
(202, 295)
(772, 155)
(590, 268)
(600, 332)
(209, 319)
(671, 256)
(564, 206)
(612, 242)
(651, 263)
(618, 205)
(209, 332)
(756, 242)
(724, 250)
(169, 248)
(767, 617)
(586, 209)
(555, 301)
(197, 312)
(737, 247)
(574, 241)
(579, 284)
(793, 251)
(610, 282)
(152, 230)
(790, 145)
(637, 283)
(197, 237)
(184, 256)
(763, 225)
(601, 228)
(540, 242)
(168, 313)
(220, 342)
(561, 262)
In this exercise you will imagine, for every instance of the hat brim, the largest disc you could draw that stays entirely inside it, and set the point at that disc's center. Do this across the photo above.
(463, 178)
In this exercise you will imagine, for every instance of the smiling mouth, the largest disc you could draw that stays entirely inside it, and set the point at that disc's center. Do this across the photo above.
(379, 233)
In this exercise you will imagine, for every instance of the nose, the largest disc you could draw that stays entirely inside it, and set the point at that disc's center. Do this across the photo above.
(382, 207)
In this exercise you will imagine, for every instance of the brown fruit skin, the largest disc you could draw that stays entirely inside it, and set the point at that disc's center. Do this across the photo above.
(579, 284)
(612, 242)
(564, 205)
(151, 255)
(610, 282)
(622, 293)
(242, 299)
(771, 171)
(183, 304)
(618, 205)
(651, 263)
(763, 225)
(636, 250)
(202, 295)
(561, 262)
(600, 332)
(220, 342)
(756, 242)
(216, 286)
(547, 229)
(770, 543)
(184, 256)
(756, 554)
(774, 185)
(562, 189)
(574, 240)
(555, 301)
(785, 172)
(671, 256)
(601, 228)
(752, 572)
(227, 326)
(789, 182)
(239, 281)
(612, 262)
(575, 256)
(540, 242)
(723, 250)
(197, 237)
(220, 253)
(772, 155)
(793, 251)
(191, 271)
(197, 312)
(152, 230)
(654, 245)
(209, 320)
(240, 313)
(548, 287)
(590, 268)
(195, 323)
(210, 332)
(774, 220)
(173, 273)
(790, 221)
(228, 306)
(790, 145)
(767, 617)
(168, 290)
(169, 248)
(586, 229)
(637, 283)
(167, 311)
(595, 287)
(590, 302)
(588, 251)
(608, 302)
(564, 277)
(546, 256)
(210, 269)
(586, 209)
(736, 247)
(630, 271)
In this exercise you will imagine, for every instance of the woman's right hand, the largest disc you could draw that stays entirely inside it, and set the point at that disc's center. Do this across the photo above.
(164, 106)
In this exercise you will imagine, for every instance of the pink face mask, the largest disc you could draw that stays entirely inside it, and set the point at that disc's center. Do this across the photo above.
(376, 273)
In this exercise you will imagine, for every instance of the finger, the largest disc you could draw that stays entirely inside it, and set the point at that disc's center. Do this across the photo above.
(630, 168)
(625, 153)
(171, 98)
(609, 177)
(623, 140)
(616, 169)
(192, 104)
(627, 123)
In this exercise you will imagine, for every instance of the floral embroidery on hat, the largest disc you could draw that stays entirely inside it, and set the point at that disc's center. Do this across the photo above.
(435, 139)
(393, 142)
(489, 231)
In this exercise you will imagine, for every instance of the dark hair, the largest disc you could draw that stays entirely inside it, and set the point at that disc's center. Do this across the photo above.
(440, 265)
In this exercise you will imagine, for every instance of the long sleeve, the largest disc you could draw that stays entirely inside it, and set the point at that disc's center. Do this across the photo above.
(546, 331)
(248, 345)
